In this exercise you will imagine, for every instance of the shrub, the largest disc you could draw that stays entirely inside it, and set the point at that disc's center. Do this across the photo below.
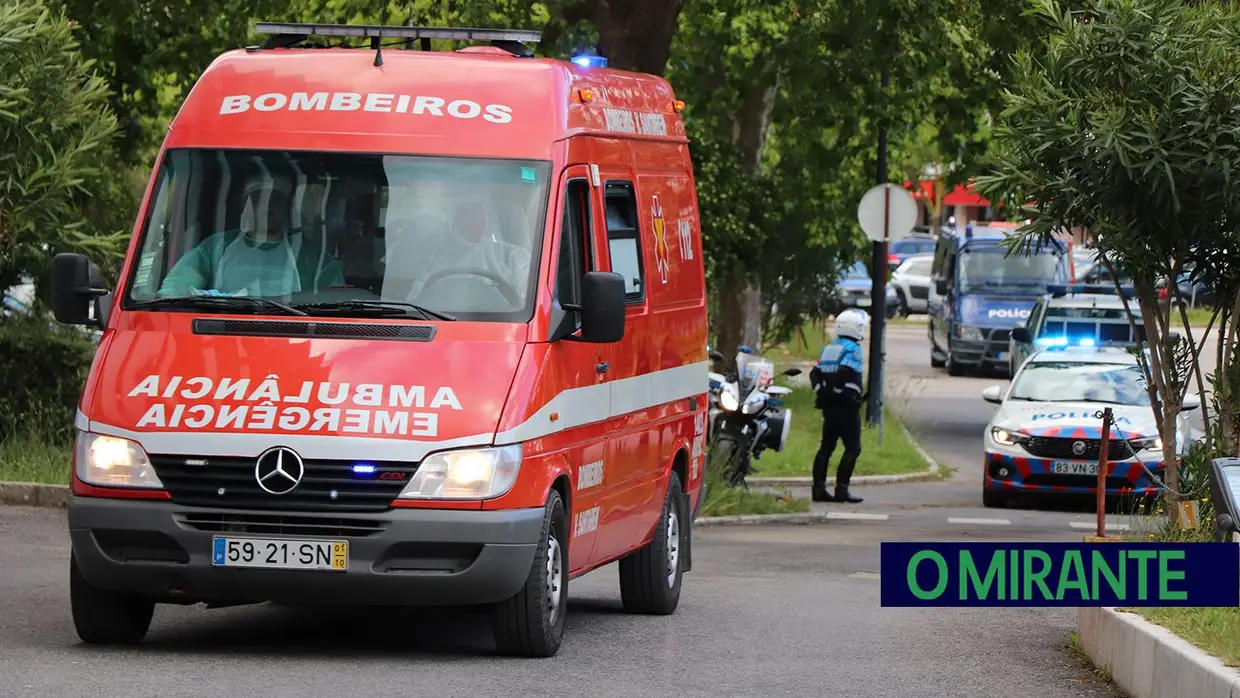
(42, 371)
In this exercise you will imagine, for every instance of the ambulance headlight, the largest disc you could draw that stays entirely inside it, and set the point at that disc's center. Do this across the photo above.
(473, 474)
(110, 461)
(728, 399)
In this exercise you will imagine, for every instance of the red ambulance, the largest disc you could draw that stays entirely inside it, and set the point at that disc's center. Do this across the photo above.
(396, 327)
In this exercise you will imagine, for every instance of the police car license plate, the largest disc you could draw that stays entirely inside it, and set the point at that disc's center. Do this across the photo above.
(330, 555)
(1074, 468)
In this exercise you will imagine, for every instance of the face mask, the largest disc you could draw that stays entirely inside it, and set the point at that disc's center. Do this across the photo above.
(248, 270)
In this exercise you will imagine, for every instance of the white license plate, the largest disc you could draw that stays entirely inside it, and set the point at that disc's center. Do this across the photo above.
(1074, 468)
(280, 554)
(863, 302)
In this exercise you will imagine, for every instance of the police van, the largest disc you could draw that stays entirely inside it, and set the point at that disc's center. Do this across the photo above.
(979, 292)
(397, 326)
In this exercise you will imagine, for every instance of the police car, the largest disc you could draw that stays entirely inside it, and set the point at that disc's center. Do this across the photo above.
(1045, 436)
(1071, 313)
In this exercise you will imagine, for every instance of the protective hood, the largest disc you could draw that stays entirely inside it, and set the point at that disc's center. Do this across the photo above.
(995, 311)
(175, 391)
(1076, 420)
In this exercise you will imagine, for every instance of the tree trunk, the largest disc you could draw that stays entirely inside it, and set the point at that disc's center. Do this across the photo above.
(742, 292)
(634, 34)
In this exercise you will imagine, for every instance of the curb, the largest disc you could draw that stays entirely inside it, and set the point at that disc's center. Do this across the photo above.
(1147, 660)
(932, 469)
(32, 494)
(751, 519)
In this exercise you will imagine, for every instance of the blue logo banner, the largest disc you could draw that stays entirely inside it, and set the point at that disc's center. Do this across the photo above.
(1060, 574)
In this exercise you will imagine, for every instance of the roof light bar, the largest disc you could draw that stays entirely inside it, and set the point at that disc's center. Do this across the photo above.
(399, 32)
(1104, 289)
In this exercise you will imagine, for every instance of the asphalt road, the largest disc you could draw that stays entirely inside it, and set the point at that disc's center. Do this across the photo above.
(767, 611)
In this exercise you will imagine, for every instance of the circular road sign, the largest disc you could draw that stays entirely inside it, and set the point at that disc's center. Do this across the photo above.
(890, 204)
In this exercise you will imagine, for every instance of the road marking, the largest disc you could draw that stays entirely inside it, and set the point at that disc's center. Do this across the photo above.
(864, 575)
(985, 522)
(1087, 526)
(856, 517)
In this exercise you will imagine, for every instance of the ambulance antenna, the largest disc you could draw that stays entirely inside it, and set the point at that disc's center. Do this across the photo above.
(376, 42)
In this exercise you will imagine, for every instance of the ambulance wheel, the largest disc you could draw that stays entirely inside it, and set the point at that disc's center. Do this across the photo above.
(531, 623)
(650, 577)
(105, 617)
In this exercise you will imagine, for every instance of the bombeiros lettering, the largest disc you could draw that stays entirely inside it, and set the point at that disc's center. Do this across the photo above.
(414, 105)
(590, 475)
(200, 402)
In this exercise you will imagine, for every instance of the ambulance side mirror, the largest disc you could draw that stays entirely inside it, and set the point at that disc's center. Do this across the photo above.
(602, 307)
(76, 286)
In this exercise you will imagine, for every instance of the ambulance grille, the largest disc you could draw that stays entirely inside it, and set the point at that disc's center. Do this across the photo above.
(230, 483)
(301, 328)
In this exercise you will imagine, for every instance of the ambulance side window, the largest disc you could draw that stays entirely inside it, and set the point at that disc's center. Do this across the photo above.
(574, 239)
(624, 238)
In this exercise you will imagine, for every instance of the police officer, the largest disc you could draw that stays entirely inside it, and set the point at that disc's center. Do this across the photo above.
(837, 381)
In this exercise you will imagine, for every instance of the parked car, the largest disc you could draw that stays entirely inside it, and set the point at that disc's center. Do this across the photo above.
(911, 281)
(902, 249)
(853, 291)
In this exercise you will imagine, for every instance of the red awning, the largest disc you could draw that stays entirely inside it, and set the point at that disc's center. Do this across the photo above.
(964, 196)
(924, 190)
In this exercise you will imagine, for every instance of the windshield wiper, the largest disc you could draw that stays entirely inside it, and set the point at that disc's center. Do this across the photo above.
(381, 306)
(216, 302)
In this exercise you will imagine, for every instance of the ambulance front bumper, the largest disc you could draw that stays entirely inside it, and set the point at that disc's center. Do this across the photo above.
(399, 557)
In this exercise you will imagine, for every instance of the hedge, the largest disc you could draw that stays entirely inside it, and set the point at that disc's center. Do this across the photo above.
(42, 371)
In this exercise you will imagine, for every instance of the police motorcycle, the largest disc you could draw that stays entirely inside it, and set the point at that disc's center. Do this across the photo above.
(745, 417)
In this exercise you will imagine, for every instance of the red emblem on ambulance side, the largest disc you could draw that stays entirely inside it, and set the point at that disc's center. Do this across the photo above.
(660, 239)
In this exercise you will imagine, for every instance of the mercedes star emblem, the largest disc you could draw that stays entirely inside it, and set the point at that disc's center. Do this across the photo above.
(1078, 447)
(279, 470)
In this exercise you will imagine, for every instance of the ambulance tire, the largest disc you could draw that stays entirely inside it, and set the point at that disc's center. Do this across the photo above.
(105, 617)
(531, 622)
(650, 577)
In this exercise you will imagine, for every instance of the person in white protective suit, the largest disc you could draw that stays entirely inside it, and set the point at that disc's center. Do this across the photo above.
(472, 241)
(261, 258)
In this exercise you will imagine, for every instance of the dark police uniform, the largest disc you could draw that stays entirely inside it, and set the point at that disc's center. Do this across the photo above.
(837, 384)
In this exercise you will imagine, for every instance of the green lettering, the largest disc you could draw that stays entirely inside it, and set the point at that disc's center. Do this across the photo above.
(1143, 558)
(1072, 563)
(1165, 575)
(1014, 580)
(1100, 564)
(912, 575)
(968, 574)
(1038, 577)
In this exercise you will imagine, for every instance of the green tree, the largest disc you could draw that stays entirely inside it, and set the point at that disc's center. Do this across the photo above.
(1125, 122)
(55, 131)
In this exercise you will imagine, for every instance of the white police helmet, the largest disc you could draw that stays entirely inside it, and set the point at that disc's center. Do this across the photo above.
(852, 323)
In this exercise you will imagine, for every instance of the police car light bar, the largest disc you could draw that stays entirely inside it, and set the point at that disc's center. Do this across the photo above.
(1107, 289)
(398, 32)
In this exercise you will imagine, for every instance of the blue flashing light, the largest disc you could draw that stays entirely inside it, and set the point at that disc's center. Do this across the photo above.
(745, 349)
(1061, 342)
(1104, 289)
(587, 61)
(363, 469)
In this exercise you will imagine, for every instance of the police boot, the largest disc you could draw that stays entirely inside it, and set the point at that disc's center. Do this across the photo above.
(842, 495)
(819, 494)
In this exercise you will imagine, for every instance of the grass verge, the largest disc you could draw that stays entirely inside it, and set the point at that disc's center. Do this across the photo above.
(895, 455)
(1215, 631)
(32, 460)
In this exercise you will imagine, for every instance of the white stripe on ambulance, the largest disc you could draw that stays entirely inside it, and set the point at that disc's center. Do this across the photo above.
(417, 105)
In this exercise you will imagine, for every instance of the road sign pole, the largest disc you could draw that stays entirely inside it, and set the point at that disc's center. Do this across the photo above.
(878, 287)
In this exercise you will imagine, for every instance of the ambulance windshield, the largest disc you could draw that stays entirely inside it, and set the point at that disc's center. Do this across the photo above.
(343, 233)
